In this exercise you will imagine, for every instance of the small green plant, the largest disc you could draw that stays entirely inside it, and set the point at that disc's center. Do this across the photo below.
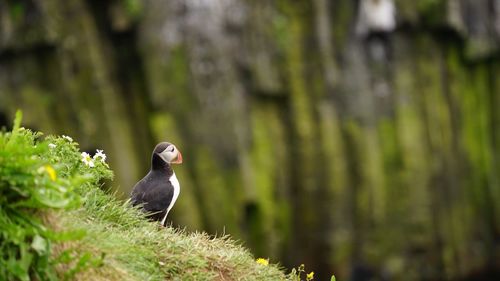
(38, 175)
(296, 274)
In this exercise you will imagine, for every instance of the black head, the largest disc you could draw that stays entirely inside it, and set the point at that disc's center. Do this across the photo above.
(164, 154)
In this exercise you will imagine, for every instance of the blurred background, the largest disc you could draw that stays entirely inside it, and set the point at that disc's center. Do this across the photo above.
(360, 138)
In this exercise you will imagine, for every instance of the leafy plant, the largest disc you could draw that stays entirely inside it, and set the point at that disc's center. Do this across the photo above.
(38, 175)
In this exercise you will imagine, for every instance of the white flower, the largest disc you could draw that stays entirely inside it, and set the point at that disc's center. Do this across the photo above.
(51, 145)
(101, 155)
(87, 159)
(67, 138)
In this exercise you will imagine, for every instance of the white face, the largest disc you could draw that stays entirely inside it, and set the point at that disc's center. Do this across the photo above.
(171, 155)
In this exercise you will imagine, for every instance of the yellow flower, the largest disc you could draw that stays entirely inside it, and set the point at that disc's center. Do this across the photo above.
(262, 261)
(310, 276)
(51, 172)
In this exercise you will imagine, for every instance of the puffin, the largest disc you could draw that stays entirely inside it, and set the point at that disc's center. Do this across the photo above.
(157, 192)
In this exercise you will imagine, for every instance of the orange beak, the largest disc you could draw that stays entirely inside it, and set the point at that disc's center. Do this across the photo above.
(178, 159)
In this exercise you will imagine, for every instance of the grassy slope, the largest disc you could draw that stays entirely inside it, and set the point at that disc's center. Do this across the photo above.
(136, 249)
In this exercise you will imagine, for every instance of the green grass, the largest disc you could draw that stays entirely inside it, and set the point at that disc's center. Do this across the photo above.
(57, 223)
(135, 249)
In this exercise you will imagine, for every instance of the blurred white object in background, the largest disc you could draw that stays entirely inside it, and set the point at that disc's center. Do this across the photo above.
(376, 16)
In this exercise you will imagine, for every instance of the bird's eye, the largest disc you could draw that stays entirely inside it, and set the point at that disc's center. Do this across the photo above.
(171, 149)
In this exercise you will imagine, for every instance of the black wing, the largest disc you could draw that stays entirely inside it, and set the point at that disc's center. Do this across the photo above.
(154, 195)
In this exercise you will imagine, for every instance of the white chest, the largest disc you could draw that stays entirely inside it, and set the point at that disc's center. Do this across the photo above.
(177, 189)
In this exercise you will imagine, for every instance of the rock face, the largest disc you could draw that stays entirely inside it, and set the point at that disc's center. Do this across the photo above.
(358, 137)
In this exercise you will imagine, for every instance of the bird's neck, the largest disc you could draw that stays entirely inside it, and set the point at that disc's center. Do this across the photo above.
(159, 165)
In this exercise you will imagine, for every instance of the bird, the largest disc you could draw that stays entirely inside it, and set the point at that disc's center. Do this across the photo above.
(157, 192)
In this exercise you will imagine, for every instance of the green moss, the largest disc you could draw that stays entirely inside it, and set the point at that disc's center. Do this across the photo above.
(304, 132)
(334, 161)
(393, 169)
(133, 7)
(409, 189)
(176, 72)
(280, 27)
(300, 101)
(367, 167)
(333, 146)
(213, 193)
(268, 140)
(17, 11)
(432, 11)
(480, 189)
(343, 16)
(371, 165)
